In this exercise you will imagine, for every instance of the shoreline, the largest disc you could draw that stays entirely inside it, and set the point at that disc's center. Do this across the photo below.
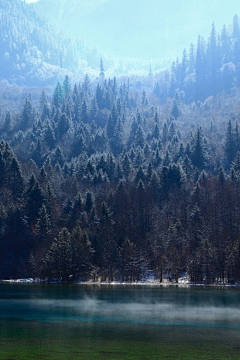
(118, 283)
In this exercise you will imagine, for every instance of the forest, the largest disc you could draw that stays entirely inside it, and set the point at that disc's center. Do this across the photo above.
(33, 53)
(115, 177)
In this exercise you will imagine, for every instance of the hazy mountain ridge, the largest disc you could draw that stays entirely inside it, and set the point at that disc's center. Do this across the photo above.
(33, 53)
(66, 8)
(145, 29)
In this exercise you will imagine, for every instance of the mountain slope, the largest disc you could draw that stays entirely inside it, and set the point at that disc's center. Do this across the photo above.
(138, 28)
(32, 52)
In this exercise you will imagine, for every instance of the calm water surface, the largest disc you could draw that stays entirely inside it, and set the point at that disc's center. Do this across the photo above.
(118, 322)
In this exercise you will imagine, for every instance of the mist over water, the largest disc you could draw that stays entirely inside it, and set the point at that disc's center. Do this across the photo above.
(78, 322)
(141, 306)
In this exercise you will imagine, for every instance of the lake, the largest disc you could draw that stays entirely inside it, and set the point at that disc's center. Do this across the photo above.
(71, 322)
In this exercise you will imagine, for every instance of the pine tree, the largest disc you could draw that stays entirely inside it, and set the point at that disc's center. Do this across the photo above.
(126, 166)
(156, 131)
(139, 175)
(229, 144)
(139, 139)
(200, 69)
(164, 134)
(58, 259)
(128, 260)
(62, 126)
(102, 73)
(2, 169)
(16, 179)
(37, 153)
(35, 200)
(84, 116)
(58, 96)
(43, 223)
(100, 97)
(82, 253)
(236, 27)
(58, 156)
(89, 202)
(66, 87)
(199, 154)
(93, 108)
(117, 140)
(144, 98)
(42, 102)
(7, 125)
(27, 115)
(212, 61)
(235, 166)
(175, 112)
(184, 66)
(49, 136)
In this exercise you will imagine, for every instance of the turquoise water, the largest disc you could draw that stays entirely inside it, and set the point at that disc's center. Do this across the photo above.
(37, 320)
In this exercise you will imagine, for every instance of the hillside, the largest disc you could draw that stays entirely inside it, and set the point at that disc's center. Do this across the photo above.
(153, 29)
(115, 177)
(120, 185)
(210, 67)
(33, 53)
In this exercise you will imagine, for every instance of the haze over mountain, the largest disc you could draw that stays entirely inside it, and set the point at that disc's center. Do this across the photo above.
(153, 29)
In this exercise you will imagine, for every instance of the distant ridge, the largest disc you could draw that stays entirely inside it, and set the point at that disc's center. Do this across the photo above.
(33, 53)
(150, 29)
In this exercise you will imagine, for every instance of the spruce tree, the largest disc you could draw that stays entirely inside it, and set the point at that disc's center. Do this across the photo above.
(199, 154)
(102, 72)
(58, 259)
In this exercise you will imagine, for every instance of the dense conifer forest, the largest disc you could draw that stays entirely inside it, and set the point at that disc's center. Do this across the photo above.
(112, 178)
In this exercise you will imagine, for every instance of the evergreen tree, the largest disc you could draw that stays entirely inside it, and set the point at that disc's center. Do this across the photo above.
(2, 169)
(35, 200)
(139, 175)
(7, 125)
(84, 116)
(126, 166)
(82, 253)
(139, 139)
(102, 72)
(58, 96)
(117, 139)
(37, 153)
(16, 179)
(42, 102)
(175, 112)
(62, 126)
(58, 259)
(156, 131)
(49, 136)
(236, 166)
(89, 202)
(229, 144)
(212, 61)
(43, 223)
(66, 87)
(58, 156)
(200, 69)
(199, 154)
(27, 115)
